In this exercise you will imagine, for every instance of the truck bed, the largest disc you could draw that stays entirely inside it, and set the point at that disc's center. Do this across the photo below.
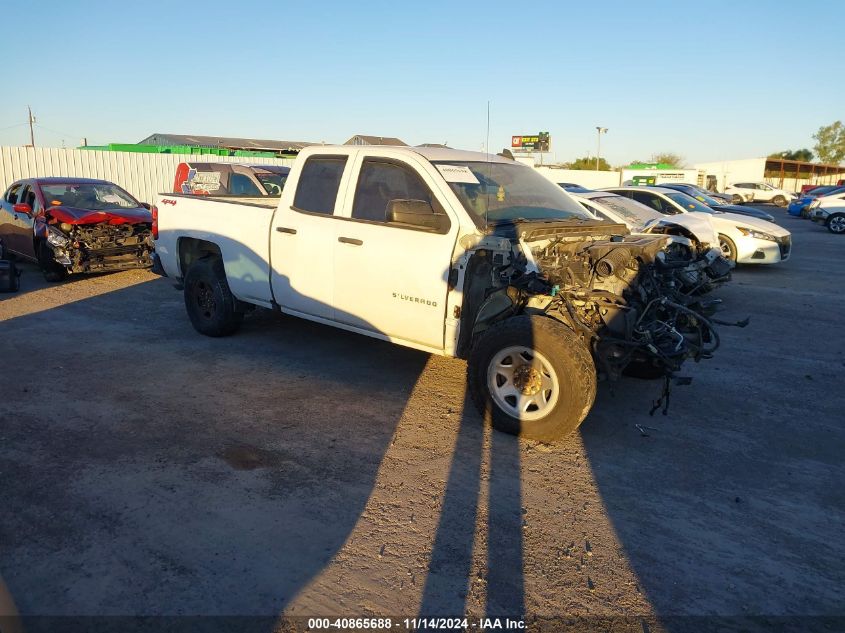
(238, 228)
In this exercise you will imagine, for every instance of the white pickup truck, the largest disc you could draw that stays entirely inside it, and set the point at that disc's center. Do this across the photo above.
(451, 252)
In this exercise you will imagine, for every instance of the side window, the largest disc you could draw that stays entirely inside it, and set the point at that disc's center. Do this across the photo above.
(316, 191)
(649, 199)
(12, 194)
(35, 200)
(241, 185)
(27, 196)
(380, 183)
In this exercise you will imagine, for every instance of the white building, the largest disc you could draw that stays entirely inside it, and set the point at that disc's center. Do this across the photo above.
(790, 175)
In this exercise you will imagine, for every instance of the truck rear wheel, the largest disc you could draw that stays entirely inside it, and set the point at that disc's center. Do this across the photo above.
(533, 377)
(211, 306)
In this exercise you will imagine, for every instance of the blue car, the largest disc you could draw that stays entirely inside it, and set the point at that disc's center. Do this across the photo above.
(801, 206)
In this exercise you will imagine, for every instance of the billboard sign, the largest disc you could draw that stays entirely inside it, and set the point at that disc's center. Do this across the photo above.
(531, 142)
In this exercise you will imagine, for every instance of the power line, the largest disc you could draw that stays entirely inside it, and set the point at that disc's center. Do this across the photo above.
(60, 133)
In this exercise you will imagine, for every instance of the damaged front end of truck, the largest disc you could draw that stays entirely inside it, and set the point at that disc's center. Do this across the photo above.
(627, 296)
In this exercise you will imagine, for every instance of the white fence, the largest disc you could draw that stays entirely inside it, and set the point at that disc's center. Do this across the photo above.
(142, 175)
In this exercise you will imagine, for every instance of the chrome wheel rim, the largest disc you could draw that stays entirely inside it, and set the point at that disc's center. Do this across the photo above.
(523, 383)
(837, 224)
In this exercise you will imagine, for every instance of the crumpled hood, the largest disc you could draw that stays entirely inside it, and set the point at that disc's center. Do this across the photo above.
(75, 215)
(699, 224)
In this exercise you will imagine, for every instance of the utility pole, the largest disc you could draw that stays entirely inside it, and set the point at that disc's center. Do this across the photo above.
(31, 133)
(600, 130)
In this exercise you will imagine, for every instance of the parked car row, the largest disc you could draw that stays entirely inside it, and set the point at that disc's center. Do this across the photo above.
(801, 205)
(83, 225)
(741, 237)
(542, 291)
(829, 210)
(459, 254)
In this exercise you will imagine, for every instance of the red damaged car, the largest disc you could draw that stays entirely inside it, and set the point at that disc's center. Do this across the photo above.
(75, 225)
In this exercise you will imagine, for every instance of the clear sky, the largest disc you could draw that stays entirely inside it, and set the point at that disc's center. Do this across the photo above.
(708, 80)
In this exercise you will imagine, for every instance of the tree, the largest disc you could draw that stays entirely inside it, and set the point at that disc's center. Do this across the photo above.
(588, 163)
(830, 143)
(798, 154)
(668, 158)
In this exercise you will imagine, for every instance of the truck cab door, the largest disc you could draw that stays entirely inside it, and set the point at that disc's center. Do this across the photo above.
(393, 254)
(303, 238)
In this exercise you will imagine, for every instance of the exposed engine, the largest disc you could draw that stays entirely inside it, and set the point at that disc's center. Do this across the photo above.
(101, 246)
(636, 299)
(626, 294)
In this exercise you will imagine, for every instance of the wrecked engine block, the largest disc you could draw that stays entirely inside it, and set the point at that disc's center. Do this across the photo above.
(631, 297)
(103, 246)
(625, 294)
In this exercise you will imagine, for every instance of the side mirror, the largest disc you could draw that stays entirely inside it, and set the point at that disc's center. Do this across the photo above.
(417, 213)
(22, 207)
(146, 205)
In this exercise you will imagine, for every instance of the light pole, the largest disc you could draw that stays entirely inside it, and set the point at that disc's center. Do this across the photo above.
(600, 130)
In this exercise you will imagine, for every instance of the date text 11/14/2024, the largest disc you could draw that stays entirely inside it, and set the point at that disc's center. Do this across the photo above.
(413, 624)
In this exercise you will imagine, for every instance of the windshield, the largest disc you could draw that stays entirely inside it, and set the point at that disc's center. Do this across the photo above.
(272, 183)
(502, 192)
(631, 210)
(688, 202)
(94, 196)
(703, 196)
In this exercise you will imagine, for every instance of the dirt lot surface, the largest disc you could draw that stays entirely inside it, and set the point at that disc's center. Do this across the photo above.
(294, 469)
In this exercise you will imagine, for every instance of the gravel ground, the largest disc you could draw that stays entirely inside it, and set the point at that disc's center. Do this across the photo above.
(299, 470)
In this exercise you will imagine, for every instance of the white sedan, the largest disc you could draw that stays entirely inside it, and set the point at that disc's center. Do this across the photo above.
(642, 219)
(743, 239)
(830, 211)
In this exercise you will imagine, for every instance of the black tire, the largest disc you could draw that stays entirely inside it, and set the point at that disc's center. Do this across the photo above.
(779, 201)
(52, 270)
(211, 306)
(569, 358)
(836, 223)
(737, 199)
(728, 247)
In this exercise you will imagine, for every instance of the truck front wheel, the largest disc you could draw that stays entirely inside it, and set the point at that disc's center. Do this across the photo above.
(211, 306)
(533, 377)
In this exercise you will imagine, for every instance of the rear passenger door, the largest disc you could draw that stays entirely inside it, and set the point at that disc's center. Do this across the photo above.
(303, 239)
(391, 278)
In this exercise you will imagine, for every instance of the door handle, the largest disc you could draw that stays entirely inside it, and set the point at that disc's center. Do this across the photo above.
(350, 240)
(284, 229)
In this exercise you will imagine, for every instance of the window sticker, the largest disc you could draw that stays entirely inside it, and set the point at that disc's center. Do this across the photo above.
(457, 173)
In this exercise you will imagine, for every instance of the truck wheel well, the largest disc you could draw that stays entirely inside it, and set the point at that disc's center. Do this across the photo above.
(191, 249)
